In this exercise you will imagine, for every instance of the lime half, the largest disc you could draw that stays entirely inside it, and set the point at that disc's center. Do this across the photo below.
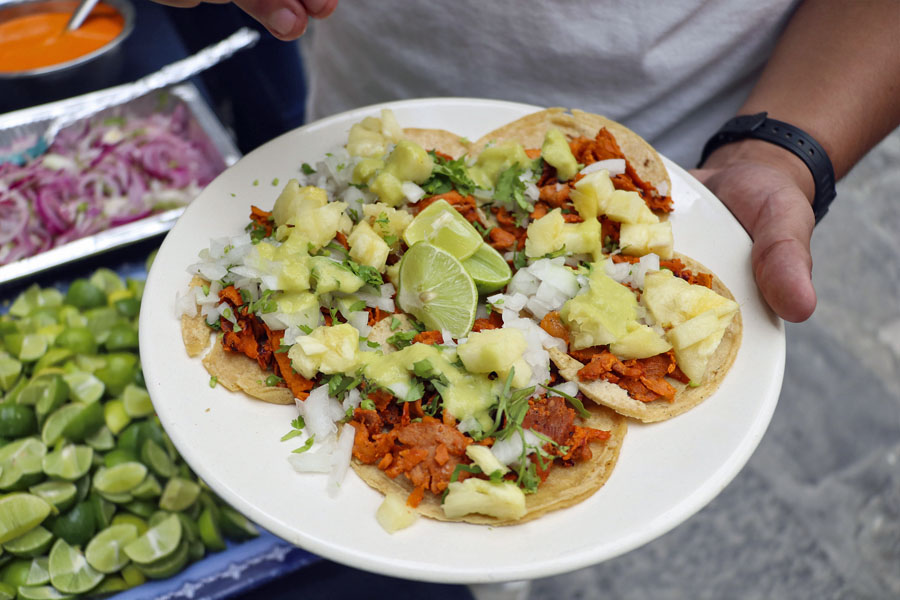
(436, 289)
(488, 269)
(441, 225)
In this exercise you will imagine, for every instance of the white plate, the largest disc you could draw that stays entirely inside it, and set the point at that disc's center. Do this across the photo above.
(666, 471)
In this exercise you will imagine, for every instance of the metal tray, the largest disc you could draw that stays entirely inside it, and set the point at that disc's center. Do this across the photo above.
(205, 129)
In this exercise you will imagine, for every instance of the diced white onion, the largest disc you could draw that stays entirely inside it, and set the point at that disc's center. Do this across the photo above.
(185, 304)
(615, 166)
(341, 459)
(412, 192)
(320, 412)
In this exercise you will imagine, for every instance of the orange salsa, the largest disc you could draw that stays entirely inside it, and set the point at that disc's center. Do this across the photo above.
(40, 40)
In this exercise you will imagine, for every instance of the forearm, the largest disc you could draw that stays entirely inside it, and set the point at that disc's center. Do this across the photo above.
(835, 73)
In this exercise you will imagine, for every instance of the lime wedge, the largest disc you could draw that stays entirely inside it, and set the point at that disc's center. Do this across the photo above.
(110, 586)
(10, 369)
(52, 431)
(20, 461)
(101, 440)
(30, 544)
(7, 592)
(34, 345)
(119, 456)
(179, 494)
(60, 494)
(209, 531)
(437, 290)
(115, 416)
(70, 573)
(158, 459)
(133, 576)
(53, 357)
(106, 551)
(148, 488)
(107, 281)
(129, 519)
(83, 294)
(102, 510)
(78, 339)
(157, 542)
(85, 422)
(137, 401)
(488, 269)
(237, 526)
(15, 573)
(41, 592)
(169, 565)
(39, 572)
(84, 387)
(119, 479)
(441, 225)
(69, 462)
(17, 420)
(46, 392)
(19, 513)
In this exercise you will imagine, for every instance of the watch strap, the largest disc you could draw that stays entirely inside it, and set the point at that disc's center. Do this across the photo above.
(761, 127)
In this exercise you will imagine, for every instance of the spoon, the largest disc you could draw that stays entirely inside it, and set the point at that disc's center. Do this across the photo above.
(84, 9)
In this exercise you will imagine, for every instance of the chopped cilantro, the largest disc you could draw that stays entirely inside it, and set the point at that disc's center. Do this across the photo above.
(520, 261)
(305, 329)
(305, 446)
(416, 391)
(447, 175)
(368, 274)
(395, 323)
(256, 182)
(510, 189)
(390, 240)
(358, 306)
(401, 339)
(275, 181)
(339, 385)
(273, 380)
(297, 426)
(557, 253)
(575, 402)
(423, 368)
(282, 349)
(213, 381)
(367, 404)
(307, 170)
(372, 344)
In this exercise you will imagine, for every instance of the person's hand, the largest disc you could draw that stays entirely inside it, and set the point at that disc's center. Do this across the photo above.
(285, 19)
(768, 189)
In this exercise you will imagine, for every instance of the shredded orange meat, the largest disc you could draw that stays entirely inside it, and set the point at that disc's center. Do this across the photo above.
(262, 218)
(676, 266)
(643, 378)
(428, 337)
(464, 205)
(552, 324)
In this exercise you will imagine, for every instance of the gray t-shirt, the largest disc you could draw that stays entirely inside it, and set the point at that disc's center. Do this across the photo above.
(673, 71)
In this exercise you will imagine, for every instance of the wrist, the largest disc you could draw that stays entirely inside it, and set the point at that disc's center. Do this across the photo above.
(768, 154)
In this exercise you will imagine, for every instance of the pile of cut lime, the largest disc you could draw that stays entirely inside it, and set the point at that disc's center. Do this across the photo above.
(94, 498)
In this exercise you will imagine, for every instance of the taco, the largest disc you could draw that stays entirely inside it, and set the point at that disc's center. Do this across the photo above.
(553, 195)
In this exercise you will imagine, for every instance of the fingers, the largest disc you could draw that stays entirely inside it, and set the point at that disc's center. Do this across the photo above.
(286, 19)
(319, 9)
(778, 217)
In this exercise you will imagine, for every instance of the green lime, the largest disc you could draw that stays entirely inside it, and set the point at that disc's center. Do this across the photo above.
(84, 387)
(169, 565)
(85, 422)
(488, 269)
(77, 525)
(443, 226)
(46, 392)
(60, 494)
(17, 420)
(71, 317)
(437, 290)
(179, 494)
(102, 510)
(119, 456)
(122, 336)
(122, 518)
(137, 401)
(30, 544)
(237, 526)
(157, 542)
(78, 339)
(128, 307)
(39, 573)
(109, 586)
(158, 459)
(26, 302)
(21, 462)
(196, 549)
(52, 431)
(10, 369)
(117, 418)
(13, 394)
(101, 321)
(133, 576)
(53, 357)
(7, 592)
(101, 440)
(34, 345)
(83, 294)
(158, 517)
(209, 531)
(90, 362)
(68, 462)
(19, 513)
(119, 479)
(118, 371)
(70, 573)
(148, 488)
(189, 528)
(107, 280)
(42, 592)
(15, 572)
(106, 551)
(142, 508)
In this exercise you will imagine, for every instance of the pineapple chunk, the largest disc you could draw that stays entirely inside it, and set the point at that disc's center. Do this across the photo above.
(694, 359)
(388, 188)
(694, 329)
(485, 459)
(332, 276)
(640, 342)
(545, 235)
(365, 142)
(582, 238)
(493, 160)
(327, 349)
(628, 207)
(298, 308)
(521, 376)
(603, 315)
(367, 247)
(503, 500)
(390, 127)
(295, 199)
(320, 225)
(365, 169)
(393, 514)
(385, 220)
(638, 239)
(492, 350)
(591, 194)
(672, 300)
(408, 161)
(555, 150)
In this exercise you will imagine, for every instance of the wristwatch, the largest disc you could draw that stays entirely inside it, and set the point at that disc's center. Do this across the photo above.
(761, 127)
